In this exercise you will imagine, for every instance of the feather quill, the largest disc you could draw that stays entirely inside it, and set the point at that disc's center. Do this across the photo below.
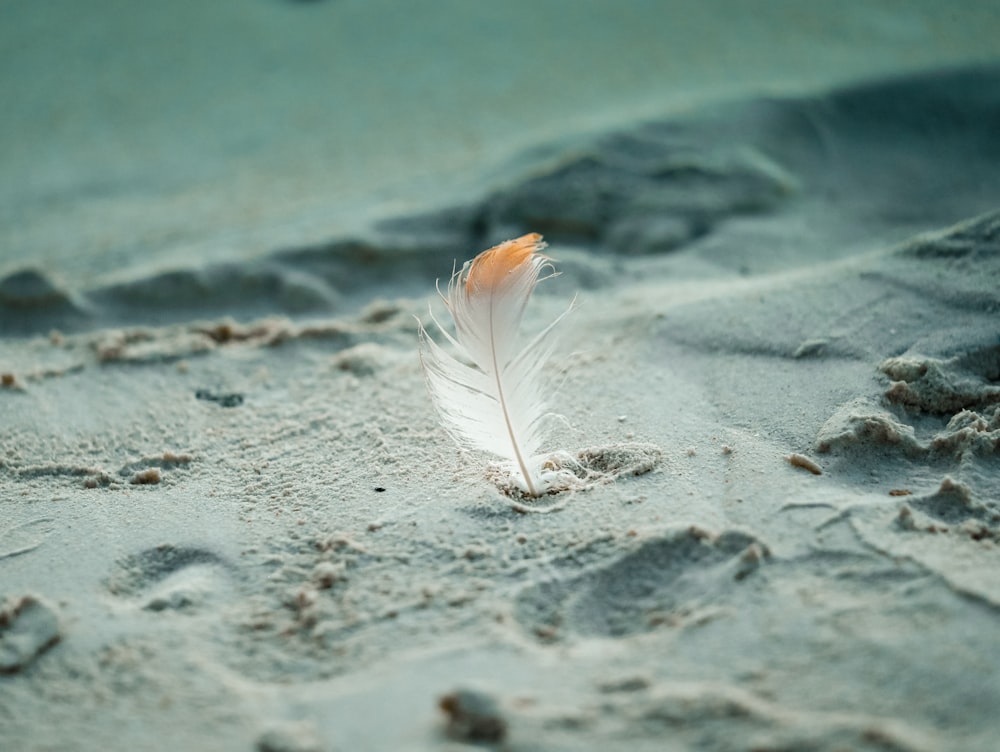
(495, 404)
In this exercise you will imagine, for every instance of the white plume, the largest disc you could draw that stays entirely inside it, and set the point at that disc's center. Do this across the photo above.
(497, 404)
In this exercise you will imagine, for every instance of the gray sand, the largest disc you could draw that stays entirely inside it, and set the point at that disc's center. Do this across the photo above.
(229, 518)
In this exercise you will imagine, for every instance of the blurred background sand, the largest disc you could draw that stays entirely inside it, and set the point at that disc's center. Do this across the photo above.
(229, 516)
(152, 134)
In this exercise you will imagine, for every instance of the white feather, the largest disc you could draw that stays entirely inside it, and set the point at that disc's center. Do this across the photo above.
(497, 403)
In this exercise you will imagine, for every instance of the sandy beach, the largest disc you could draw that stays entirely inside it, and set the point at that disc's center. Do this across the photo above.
(230, 517)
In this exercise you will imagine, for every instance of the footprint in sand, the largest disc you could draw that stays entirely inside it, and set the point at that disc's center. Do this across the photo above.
(675, 579)
(171, 578)
(24, 537)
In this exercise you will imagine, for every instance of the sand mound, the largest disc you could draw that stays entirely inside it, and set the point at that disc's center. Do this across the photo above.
(229, 477)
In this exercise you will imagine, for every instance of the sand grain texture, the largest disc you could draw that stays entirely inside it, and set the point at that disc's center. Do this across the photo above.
(230, 520)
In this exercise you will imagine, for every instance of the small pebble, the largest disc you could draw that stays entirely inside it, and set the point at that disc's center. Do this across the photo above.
(473, 716)
(28, 626)
(800, 460)
(148, 477)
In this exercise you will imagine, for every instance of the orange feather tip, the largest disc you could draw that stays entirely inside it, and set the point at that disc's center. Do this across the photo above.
(491, 267)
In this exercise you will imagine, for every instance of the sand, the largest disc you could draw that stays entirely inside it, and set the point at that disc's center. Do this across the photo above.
(230, 518)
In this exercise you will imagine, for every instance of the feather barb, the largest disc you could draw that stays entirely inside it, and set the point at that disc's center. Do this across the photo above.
(489, 269)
